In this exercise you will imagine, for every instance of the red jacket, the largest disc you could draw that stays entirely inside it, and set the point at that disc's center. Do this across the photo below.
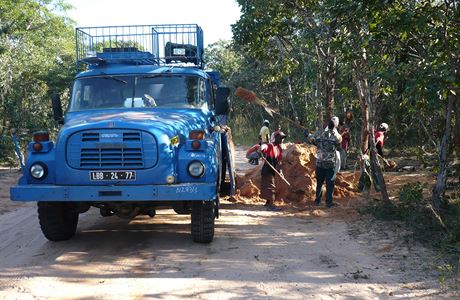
(252, 150)
(273, 154)
(379, 137)
(345, 140)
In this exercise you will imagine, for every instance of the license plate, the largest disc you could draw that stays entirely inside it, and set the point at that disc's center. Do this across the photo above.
(112, 175)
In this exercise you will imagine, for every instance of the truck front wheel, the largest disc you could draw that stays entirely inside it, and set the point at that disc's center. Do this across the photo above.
(58, 220)
(203, 216)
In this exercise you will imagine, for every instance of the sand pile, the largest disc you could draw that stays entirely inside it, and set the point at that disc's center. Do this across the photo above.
(299, 163)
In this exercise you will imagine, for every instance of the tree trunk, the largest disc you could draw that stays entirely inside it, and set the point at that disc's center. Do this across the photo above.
(366, 106)
(291, 99)
(360, 86)
(318, 104)
(457, 125)
(428, 135)
(328, 72)
(331, 64)
(441, 178)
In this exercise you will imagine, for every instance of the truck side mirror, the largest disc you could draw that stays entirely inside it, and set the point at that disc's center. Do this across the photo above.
(57, 108)
(222, 101)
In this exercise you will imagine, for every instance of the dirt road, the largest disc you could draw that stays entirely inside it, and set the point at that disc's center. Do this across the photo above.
(255, 254)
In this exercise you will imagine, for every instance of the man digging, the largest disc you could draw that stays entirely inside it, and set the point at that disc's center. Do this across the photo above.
(273, 154)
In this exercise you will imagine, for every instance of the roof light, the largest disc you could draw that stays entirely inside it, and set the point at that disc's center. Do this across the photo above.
(179, 51)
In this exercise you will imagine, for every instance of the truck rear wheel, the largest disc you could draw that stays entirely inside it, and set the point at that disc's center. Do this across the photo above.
(203, 216)
(58, 220)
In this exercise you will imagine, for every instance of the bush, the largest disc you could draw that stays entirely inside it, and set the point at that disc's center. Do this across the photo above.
(410, 197)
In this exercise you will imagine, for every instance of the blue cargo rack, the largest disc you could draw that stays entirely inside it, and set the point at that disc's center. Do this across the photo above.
(174, 44)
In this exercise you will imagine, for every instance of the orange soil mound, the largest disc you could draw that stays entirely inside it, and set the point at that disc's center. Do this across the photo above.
(298, 167)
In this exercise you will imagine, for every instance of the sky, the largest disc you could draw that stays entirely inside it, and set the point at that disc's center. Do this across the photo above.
(214, 16)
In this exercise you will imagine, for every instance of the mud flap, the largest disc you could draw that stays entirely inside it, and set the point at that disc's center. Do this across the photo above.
(228, 154)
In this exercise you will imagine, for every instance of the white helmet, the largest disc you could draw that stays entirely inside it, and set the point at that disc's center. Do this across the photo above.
(267, 122)
(384, 126)
(336, 121)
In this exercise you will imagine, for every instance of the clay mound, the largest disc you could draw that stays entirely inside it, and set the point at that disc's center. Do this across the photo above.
(299, 164)
(246, 187)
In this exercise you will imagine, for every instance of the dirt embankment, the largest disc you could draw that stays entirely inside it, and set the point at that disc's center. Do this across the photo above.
(298, 167)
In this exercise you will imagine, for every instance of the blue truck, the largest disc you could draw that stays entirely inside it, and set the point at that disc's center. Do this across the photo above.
(144, 130)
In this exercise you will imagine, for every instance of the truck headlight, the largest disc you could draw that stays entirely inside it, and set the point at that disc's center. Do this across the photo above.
(196, 168)
(38, 170)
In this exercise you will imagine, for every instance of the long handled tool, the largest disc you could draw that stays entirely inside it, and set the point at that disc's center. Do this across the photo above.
(276, 171)
(251, 97)
(388, 163)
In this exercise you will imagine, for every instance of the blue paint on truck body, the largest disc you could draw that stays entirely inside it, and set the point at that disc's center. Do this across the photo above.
(138, 129)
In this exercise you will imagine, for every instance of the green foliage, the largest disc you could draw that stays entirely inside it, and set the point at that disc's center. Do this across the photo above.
(451, 246)
(452, 221)
(447, 271)
(36, 60)
(410, 46)
(114, 43)
(410, 199)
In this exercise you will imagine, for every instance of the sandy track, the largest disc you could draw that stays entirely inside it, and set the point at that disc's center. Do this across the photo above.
(255, 254)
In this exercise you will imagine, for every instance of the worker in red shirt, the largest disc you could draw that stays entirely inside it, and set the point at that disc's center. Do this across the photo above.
(253, 154)
(379, 137)
(273, 155)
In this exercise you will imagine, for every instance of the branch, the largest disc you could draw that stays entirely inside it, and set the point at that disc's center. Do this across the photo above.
(438, 217)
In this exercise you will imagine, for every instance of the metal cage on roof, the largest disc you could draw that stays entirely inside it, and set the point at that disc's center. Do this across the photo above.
(175, 44)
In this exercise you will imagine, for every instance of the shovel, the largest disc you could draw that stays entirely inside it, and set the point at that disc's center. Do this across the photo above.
(276, 171)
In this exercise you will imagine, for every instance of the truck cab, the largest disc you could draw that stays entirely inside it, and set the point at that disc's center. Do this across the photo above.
(143, 130)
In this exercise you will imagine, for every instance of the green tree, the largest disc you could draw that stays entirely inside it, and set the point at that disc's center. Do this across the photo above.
(36, 60)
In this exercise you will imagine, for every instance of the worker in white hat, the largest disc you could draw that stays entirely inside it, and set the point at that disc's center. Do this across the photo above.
(264, 134)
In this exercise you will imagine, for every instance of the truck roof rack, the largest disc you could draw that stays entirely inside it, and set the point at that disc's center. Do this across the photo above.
(175, 44)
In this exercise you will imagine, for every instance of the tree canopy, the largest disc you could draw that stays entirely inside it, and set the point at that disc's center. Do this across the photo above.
(410, 49)
(36, 60)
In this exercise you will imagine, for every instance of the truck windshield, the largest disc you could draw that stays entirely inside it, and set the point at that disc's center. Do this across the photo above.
(140, 91)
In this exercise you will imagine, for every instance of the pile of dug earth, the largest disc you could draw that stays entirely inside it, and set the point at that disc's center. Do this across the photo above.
(298, 167)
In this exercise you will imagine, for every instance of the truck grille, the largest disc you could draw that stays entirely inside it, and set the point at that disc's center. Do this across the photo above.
(112, 149)
(111, 157)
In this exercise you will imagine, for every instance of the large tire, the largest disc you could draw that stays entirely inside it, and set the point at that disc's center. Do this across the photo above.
(58, 220)
(203, 216)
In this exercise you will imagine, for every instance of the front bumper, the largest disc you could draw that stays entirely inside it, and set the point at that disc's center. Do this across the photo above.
(179, 192)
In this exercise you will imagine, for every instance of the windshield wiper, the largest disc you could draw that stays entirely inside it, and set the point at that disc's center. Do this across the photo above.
(106, 76)
(161, 75)
(151, 76)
